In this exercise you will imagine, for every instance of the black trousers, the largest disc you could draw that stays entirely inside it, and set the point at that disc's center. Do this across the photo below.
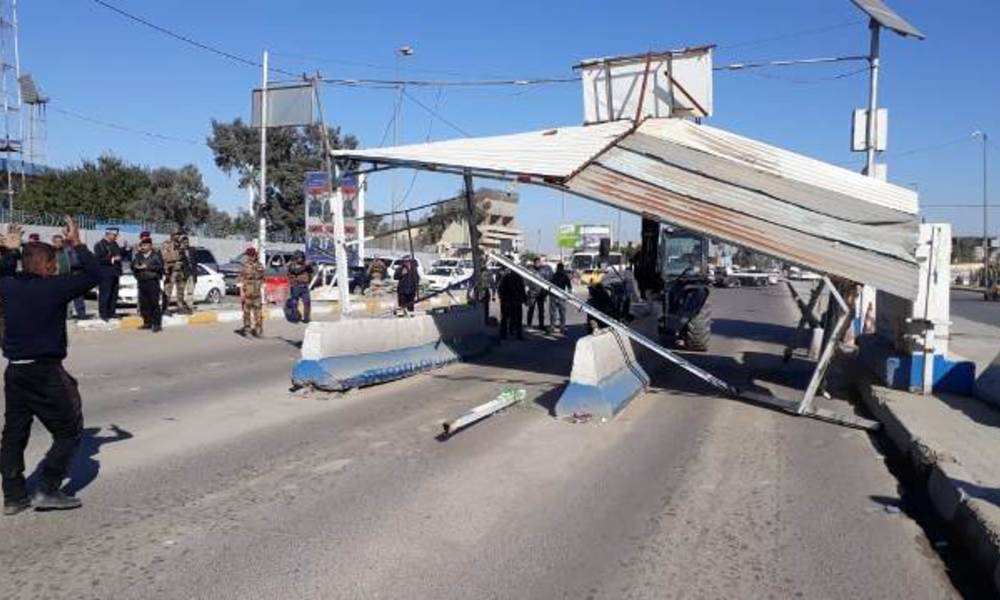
(538, 302)
(300, 292)
(149, 302)
(107, 296)
(511, 314)
(405, 300)
(44, 390)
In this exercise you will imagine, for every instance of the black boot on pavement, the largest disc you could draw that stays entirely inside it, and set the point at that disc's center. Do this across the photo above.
(54, 500)
(12, 507)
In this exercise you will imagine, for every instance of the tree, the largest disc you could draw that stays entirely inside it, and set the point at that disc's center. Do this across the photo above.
(176, 197)
(106, 187)
(291, 152)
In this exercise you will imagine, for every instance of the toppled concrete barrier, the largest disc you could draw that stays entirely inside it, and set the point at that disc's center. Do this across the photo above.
(605, 376)
(341, 355)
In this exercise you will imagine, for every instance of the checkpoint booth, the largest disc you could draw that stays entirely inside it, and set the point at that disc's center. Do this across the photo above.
(643, 149)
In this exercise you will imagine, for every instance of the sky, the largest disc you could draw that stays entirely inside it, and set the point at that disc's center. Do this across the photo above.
(96, 64)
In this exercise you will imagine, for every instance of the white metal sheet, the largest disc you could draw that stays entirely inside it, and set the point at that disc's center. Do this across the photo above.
(556, 152)
(782, 163)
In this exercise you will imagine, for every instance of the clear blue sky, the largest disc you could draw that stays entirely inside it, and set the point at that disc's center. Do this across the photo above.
(94, 62)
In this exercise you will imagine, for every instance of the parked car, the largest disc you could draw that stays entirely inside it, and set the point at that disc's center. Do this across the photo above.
(209, 287)
(276, 262)
(441, 278)
(204, 256)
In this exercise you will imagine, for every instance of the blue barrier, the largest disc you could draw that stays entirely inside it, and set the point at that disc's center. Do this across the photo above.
(905, 371)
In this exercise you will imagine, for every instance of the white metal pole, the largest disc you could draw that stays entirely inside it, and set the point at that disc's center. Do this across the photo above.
(873, 60)
(262, 191)
(362, 192)
(343, 285)
(986, 231)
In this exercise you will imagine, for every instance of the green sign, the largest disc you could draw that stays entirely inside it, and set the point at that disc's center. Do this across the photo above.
(568, 236)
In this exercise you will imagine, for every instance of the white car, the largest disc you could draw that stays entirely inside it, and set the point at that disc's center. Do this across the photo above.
(442, 277)
(210, 287)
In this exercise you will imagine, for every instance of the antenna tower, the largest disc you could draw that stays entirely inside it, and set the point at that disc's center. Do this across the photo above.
(12, 132)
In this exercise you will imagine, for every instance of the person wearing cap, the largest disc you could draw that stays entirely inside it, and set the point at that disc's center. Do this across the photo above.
(147, 266)
(34, 237)
(300, 274)
(109, 255)
(251, 294)
(35, 383)
(173, 275)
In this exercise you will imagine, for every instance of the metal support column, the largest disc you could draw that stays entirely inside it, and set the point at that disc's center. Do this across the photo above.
(477, 261)
(827, 354)
(873, 60)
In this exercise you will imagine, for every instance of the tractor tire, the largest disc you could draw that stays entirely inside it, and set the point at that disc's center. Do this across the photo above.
(699, 330)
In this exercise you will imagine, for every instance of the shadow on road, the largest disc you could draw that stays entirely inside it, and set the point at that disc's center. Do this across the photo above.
(84, 468)
(757, 331)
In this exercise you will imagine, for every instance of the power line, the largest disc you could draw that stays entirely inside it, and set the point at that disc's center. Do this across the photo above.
(788, 36)
(125, 128)
(188, 40)
(435, 113)
(810, 80)
(427, 138)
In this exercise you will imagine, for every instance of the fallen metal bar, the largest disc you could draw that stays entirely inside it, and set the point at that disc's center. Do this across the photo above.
(808, 315)
(616, 325)
(788, 406)
(831, 344)
(506, 398)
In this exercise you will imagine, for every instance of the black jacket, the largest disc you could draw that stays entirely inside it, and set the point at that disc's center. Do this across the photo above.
(409, 281)
(511, 288)
(147, 267)
(103, 252)
(561, 280)
(35, 308)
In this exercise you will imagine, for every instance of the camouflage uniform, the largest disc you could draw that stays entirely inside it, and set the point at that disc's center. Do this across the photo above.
(251, 283)
(173, 273)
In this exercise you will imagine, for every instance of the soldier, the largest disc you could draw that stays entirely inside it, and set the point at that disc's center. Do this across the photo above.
(173, 281)
(376, 277)
(189, 271)
(147, 266)
(300, 273)
(251, 294)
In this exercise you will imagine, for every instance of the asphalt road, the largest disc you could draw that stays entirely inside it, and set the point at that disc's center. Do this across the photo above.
(970, 305)
(230, 486)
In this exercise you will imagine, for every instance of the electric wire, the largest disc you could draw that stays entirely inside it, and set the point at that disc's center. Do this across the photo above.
(126, 128)
(435, 113)
(791, 35)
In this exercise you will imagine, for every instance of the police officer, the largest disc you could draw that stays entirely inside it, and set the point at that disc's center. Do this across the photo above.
(408, 282)
(147, 266)
(35, 382)
(300, 274)
(173, 275)
(109, 255)
(512, 297)
(251, 294)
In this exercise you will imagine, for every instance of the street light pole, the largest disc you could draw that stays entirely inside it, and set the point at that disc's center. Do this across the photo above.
(400, 54)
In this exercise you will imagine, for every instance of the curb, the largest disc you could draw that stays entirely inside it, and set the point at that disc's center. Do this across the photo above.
(366, 306)
(965, 516)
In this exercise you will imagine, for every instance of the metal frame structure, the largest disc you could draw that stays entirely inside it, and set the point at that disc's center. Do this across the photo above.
(803, 408)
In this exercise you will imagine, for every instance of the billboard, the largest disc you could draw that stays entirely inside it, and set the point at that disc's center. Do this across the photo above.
(568, 236)
(320, 238)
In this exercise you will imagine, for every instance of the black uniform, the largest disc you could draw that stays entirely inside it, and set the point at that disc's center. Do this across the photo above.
(107, 293)
(300, 274)
(512, 297)
(148, 271)
(406, 289)
(35, 383)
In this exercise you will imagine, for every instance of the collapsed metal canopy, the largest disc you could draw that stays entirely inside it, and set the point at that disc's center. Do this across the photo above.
(726, 186)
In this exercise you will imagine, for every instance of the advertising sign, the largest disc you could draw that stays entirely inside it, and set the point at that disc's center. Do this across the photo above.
(568, 236)
(319, 217)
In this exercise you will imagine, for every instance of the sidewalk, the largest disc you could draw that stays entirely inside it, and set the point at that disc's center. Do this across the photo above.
(953, 444)
(979, 343)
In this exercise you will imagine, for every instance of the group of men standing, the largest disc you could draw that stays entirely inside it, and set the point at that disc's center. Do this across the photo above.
(514, 295)
(174, 263)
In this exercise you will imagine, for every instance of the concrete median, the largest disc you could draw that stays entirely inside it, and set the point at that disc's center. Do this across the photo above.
(605, 377)
(351, 353)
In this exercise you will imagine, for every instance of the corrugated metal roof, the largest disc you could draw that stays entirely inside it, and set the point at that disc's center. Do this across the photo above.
(771, 200)
(554, 152)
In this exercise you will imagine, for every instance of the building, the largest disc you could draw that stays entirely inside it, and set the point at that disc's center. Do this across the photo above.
(499, 230)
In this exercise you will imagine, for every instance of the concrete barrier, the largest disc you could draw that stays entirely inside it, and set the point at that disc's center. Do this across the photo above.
(605, 376)
(988, 384)
(351, 353)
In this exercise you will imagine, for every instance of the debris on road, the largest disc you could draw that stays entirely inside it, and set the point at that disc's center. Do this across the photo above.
(508, 397)
(583, 417)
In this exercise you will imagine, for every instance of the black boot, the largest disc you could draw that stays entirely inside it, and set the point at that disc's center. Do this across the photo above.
(12, 507)
(54, 500)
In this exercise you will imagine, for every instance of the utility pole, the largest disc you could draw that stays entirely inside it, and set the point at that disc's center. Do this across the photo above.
(400, 53)
(262, 192)
(873, 61)
(986, 230)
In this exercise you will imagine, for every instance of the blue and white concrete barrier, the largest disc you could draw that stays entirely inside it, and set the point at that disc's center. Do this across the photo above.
(357, 352)
(901, 353)
(605, 376)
